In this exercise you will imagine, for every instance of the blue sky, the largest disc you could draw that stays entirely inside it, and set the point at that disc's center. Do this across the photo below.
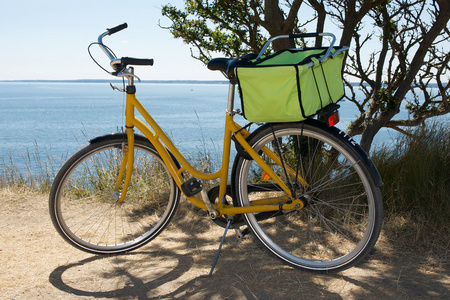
(48, 39)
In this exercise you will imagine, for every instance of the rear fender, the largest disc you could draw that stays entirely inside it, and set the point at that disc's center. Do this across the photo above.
(343, 137)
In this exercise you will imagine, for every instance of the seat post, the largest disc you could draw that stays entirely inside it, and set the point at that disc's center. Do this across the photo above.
(231, 90)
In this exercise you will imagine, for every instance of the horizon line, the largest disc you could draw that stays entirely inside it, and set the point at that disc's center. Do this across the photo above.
(162, 81)
(118, 80)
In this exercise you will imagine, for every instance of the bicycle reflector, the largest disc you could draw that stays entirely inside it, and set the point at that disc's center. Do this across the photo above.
(265, 176)
(333, 118)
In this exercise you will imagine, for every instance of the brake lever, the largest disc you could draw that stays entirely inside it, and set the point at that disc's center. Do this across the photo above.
(127, 74)
(124, 72)
(116, 88)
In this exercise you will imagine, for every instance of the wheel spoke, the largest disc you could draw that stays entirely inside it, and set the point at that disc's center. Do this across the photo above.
(338, 226)
(87, 214)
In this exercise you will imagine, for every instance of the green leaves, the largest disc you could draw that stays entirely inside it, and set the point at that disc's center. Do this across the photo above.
(224, 27)
(410, 54)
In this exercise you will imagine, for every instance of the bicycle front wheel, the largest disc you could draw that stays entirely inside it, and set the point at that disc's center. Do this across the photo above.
(83, 204)
(343, 215)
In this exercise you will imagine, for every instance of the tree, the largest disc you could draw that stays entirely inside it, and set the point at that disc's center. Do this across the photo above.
(412, 54)
(408, 44)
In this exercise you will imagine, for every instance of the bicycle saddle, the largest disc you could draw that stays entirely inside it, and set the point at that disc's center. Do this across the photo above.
(227, 65)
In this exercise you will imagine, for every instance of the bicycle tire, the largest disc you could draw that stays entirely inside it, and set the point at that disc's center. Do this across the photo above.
(83, 208)
(342, 219)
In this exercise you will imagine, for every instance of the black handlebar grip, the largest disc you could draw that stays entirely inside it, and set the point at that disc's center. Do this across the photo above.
(137, 61)
(117, 28)
(299, 35)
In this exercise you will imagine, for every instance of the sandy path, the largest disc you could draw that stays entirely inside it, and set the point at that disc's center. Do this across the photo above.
(37, 264)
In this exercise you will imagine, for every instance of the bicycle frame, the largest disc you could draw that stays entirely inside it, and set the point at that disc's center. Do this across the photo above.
(163, 145)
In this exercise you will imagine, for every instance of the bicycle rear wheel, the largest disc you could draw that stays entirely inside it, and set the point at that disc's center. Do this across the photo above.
(83, 204)
(343, 216)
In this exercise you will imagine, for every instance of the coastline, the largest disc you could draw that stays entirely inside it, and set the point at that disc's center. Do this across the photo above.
(118, 81)
(187, 81)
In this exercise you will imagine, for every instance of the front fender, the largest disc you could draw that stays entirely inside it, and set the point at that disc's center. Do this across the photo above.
(116, 135)
(123, 135)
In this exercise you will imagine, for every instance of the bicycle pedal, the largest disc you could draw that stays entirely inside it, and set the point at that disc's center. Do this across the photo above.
(191, 187)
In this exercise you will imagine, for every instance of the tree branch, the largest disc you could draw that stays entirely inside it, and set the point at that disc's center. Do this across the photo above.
(428, 38)
(289, 23)
(321, 17)
(416, 121)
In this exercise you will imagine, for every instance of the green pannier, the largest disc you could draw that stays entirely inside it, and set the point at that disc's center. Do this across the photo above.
(290, 85)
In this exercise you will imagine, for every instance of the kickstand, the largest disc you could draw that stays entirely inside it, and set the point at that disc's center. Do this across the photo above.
(218, 251)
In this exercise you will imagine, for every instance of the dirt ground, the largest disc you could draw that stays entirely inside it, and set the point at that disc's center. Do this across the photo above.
(37, 264)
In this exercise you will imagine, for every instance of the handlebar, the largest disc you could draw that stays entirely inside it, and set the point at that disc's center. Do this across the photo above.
(137, 61)
(110, 31)
(120, 64)
(117, 28)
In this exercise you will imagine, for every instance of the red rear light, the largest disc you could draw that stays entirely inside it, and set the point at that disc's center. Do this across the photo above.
(333, 119)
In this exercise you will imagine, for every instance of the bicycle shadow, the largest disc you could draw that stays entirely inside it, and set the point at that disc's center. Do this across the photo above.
(165, 274)
(121, 278)
(169, 268)
(241, 273)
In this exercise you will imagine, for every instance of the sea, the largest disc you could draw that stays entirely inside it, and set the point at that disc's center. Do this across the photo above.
(44, 121)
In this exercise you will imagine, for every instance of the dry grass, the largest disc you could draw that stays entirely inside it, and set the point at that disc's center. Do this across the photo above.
(38, 264)
(35, 170)
(416, 191)
(410, 260)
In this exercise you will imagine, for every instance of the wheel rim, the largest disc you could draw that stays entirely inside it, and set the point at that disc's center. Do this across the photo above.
(87, 211)
(331, 231)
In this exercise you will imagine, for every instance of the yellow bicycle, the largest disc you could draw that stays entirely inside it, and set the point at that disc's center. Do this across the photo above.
(305, 190)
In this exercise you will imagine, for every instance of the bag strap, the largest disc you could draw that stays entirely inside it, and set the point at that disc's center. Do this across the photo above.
(317, 63)
(317, 87)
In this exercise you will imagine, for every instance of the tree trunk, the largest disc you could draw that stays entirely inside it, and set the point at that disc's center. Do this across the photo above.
(372, 126)
(321, 16)
(274, 23)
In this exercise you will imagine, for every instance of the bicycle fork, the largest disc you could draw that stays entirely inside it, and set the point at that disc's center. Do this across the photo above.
(126, 167)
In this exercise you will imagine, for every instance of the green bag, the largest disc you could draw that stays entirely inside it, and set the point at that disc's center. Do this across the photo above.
(290, 85)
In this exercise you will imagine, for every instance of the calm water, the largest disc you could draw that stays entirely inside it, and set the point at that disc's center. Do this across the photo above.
(58, 118)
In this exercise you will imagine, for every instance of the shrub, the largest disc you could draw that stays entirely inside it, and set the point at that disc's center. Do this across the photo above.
(416, 196)
(416, 175)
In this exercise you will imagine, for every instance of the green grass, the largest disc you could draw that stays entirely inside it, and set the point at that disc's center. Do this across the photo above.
(416, 190)
(35, 173)
(416, 174)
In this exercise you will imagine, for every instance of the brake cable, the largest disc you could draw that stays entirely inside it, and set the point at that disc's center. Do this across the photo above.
(92, 57)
